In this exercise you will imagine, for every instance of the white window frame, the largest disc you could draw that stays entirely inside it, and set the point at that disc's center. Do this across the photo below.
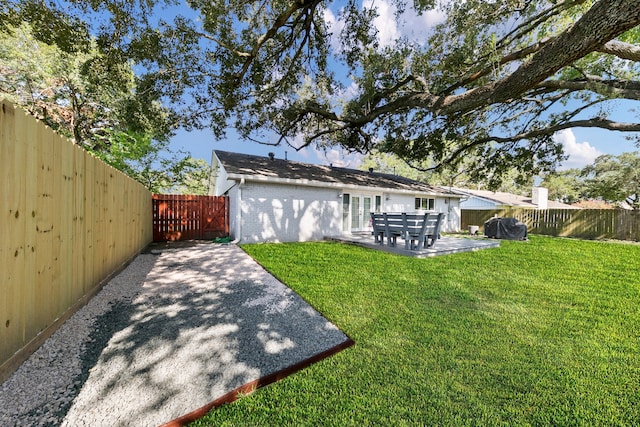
(424, 203)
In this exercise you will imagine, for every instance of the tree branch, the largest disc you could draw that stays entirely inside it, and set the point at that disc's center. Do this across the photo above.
(622, 88)
(588, 123)
(605, 20)
(622, 50)
(279, 22)
(520, 54)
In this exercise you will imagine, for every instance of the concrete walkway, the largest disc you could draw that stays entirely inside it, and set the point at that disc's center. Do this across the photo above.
(207, 321)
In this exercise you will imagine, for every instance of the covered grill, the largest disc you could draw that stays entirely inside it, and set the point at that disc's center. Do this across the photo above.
(505, 228)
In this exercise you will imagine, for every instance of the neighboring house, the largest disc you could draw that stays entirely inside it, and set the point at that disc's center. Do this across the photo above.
(285, 201)
(484, 199)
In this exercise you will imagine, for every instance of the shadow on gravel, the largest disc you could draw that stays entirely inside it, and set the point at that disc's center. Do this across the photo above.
(208, 320)
(42, 390)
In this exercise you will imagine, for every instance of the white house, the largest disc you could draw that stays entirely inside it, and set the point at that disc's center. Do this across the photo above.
(276, 200)
(485, 199)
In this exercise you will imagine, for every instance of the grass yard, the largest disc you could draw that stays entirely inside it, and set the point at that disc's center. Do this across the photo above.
(544, 332)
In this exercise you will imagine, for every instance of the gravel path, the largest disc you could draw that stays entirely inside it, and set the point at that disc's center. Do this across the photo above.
(171, 333)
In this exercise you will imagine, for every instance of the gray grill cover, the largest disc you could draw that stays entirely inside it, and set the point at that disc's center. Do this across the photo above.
(505, 228)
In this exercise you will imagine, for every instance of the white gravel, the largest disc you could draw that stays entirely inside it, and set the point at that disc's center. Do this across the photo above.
(171, 333)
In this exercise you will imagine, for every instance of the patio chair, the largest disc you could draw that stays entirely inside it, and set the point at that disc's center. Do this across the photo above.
(393, 227)
(377, 222)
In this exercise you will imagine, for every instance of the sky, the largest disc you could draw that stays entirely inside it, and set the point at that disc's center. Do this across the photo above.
(581, 145)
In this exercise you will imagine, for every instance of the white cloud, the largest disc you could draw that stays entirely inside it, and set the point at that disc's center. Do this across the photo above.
(335, 27)
(385, 22)
(338, 157)
(412, 25)
(580, 153)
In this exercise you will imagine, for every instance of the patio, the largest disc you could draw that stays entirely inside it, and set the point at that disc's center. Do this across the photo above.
(443, 246)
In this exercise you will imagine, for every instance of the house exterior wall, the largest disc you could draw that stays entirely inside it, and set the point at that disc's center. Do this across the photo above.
(451, 207)
(406, 203)
(478, 203)
(398, 203)
(277, 212)
(285, 213)
(219, 182)
(234, 211)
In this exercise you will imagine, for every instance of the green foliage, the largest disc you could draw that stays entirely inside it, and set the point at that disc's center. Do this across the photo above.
(491, 80)
(152, 164)
(615, 178)
(542, 332)
(192, 176)
(566, 186)
(99, 103)
(513, 182)
(80, 94)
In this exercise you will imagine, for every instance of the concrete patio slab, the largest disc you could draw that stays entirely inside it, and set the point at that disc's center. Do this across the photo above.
(444, 246)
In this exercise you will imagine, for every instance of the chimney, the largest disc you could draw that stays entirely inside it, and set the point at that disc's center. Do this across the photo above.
(285, 155)
(539, 197)
(271, 156)
(370, 170)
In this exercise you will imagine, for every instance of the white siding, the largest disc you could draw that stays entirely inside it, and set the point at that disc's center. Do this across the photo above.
(286, 213)
(219, 183)
(406, 203)
(478, 203)
(398, 203)
(234, 212)
(451, 207)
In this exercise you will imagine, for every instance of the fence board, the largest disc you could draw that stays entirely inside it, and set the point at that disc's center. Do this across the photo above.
(29, 233)
(78, 253)
(581, 223)
(13, 253)
(67, 222)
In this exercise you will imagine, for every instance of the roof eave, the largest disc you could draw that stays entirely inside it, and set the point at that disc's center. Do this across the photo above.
(335, 185)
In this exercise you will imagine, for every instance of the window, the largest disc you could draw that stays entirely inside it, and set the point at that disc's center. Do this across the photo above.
(378, 204)
(425, 204)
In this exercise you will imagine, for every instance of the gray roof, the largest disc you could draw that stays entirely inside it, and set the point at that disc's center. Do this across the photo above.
(249, 165)
(509, 199)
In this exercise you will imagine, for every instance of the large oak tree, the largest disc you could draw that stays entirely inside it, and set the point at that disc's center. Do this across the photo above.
(615, 179)
(494, 79)
(95, 102)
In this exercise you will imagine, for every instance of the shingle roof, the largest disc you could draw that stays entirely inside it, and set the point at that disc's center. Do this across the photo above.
(249, 165)
(509, 199)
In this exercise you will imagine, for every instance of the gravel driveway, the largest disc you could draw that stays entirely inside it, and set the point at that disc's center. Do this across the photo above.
(177, 329)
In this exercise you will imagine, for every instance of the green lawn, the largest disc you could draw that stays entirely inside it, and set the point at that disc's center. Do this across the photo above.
(544, 332)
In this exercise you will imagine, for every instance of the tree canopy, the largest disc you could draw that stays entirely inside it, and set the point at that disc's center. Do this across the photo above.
(567, 186)
(96, 103)
(80, 94)
(615, 179)
(492, 79)
(512, 181)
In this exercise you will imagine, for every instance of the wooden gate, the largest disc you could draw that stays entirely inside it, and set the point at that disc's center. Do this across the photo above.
(189, 217)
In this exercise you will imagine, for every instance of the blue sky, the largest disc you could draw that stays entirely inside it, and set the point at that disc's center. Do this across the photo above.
(582, 145)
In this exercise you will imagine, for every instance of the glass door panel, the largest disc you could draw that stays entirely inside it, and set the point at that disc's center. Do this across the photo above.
(366, 212)
(345, 212)
(355, 213)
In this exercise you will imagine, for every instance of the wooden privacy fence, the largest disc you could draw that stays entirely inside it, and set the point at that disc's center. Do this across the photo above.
(581, 223)
(67, 222)
(177, 217)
